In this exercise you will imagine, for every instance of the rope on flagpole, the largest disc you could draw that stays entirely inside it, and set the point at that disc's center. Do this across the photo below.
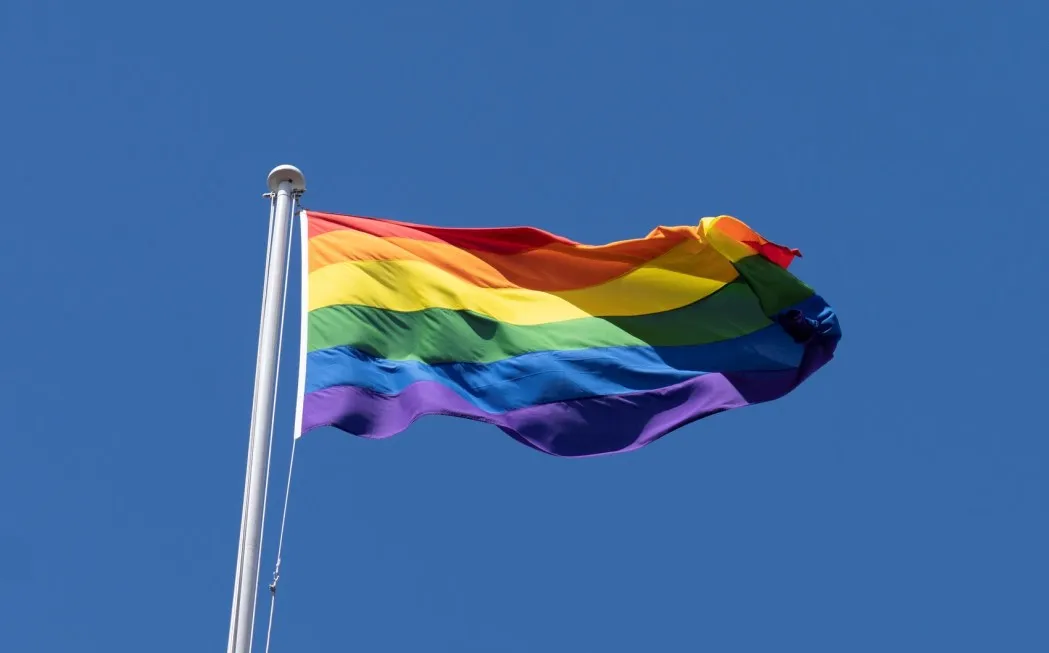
(280, 547)
(298, 420)
(247, 476)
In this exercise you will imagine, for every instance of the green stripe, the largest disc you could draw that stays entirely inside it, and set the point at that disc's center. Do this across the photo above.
(776, 288)
(442, 335)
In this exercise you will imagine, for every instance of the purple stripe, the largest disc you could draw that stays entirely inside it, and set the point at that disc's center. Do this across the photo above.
(580, 427)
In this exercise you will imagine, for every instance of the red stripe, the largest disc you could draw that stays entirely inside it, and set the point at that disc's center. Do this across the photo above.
(498, 240)
(778, 254)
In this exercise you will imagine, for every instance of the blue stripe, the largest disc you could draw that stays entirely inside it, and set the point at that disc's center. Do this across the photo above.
(545, 377)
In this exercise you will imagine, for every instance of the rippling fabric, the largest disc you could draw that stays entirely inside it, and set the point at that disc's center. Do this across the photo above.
(573, 349)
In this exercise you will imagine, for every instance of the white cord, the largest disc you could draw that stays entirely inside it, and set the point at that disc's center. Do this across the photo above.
(280, 547)
(291, 466)
(251, 439)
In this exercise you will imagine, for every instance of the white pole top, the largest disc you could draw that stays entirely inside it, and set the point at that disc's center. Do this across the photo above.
(286, 173)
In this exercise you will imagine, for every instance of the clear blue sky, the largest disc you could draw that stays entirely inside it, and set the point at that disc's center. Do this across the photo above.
(896, 502)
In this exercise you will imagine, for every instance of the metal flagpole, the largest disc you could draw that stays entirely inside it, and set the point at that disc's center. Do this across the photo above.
(286, 183)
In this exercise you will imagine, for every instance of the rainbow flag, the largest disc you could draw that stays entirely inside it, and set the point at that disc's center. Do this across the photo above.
(575, 350)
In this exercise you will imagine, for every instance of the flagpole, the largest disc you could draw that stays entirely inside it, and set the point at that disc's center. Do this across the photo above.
(286, 184)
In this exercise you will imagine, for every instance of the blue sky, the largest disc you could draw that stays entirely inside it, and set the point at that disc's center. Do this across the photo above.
(897, 501)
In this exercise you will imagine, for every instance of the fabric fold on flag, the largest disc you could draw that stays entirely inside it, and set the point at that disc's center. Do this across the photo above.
(572, 349)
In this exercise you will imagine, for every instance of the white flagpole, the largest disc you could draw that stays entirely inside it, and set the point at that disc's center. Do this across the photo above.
(286, 183)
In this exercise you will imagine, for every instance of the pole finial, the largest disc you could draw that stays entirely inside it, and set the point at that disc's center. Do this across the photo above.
(286, 173)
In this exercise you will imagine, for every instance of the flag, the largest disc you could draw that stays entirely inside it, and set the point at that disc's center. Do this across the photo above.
(573, 349)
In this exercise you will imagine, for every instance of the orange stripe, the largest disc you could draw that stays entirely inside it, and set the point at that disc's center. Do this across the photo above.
(551, 268)
(738, 231)
(523, 257)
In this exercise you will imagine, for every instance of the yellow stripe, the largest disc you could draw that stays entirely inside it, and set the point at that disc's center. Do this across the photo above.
(682, 276)
(727, 245)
